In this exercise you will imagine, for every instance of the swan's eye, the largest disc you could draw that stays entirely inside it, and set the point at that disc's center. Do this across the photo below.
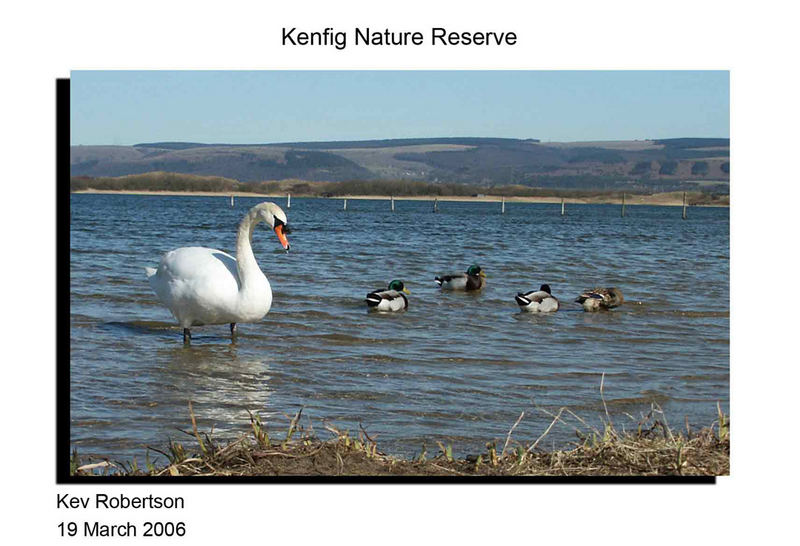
(279, 222)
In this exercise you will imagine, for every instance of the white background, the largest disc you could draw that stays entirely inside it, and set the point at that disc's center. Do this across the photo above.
(42, 41)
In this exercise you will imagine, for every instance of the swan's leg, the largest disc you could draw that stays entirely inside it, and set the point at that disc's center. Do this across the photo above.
(233, 329)
(187, 336)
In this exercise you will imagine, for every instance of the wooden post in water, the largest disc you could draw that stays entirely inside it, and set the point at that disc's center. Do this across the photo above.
(683, 216)
(435, 205)
(288, 200)
(392, 203)
(502, 205)
(563, 211)
(623, 204)
(345, 204)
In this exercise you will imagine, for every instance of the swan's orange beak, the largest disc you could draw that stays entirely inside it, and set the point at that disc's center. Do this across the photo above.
(279, 231)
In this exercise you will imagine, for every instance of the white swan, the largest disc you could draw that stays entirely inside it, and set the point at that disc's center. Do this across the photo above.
(207, 286)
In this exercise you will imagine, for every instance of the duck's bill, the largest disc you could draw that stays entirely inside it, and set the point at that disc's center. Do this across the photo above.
(482, 274)
(406, 291)
(280, 231)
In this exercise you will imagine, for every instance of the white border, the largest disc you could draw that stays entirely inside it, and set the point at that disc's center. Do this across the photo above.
(45, 41)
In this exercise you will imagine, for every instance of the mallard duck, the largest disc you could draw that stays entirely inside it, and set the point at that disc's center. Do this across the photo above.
(537, 301)
(473, 279)
(600, 298)
(392, 299)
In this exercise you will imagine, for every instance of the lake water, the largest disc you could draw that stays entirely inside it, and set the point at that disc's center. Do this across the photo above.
(457, 368)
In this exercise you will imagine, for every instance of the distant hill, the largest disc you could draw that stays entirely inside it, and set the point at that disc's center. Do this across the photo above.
(646, 165)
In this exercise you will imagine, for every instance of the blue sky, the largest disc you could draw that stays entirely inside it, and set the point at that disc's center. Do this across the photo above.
(239, 107)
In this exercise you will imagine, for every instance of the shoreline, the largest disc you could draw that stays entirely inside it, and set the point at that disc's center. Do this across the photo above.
(667, 199)
(654, 450)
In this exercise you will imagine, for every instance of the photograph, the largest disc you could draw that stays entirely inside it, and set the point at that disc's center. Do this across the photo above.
(417, 276)
(445, 273)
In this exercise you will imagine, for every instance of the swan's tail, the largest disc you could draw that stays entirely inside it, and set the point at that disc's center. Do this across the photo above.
(149, 271)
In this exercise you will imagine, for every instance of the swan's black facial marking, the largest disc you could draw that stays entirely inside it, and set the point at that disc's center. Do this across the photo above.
(279, 222)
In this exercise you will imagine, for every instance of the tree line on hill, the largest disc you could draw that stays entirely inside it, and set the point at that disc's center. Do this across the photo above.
(177, 182)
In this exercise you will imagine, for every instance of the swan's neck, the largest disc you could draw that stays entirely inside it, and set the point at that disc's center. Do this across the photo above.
(246, 260)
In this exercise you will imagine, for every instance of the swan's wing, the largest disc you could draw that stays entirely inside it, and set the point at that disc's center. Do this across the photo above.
(196, 280)
(195, 262)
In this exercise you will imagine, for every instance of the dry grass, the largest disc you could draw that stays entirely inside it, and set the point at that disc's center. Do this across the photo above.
(651, 449)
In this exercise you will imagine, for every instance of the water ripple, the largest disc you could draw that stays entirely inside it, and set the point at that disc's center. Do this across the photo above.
(456, 367)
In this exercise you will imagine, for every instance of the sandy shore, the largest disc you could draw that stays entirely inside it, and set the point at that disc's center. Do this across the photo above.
(663, 199)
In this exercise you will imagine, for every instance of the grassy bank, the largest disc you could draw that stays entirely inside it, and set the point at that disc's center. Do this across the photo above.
(650, 448)
(180, 184)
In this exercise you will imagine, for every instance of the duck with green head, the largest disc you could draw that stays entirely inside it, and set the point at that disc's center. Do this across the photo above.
(392, 299)
(473, 279)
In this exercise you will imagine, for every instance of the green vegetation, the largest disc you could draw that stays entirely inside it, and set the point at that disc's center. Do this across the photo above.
(700, 167)
(174, 182)
(473, 161)
(346, 144)
(694, 142)
(649, 448)
(668, 167)
(593, 154)
(159, 181)
(404, 188)
(642, 167)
